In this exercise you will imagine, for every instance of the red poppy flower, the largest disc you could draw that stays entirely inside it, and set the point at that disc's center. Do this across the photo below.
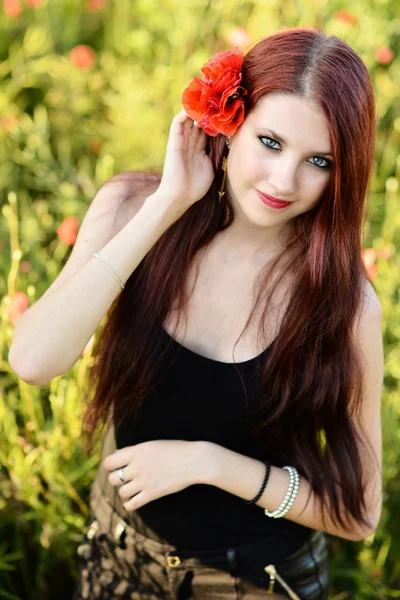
(83, 56)
(216, 100)
(384, 55)
(346, 17)
(95, 5)
(12, 8)
(67, 231)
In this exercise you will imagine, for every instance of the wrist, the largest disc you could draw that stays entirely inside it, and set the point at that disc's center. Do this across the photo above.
(162, 208)
(206, 457)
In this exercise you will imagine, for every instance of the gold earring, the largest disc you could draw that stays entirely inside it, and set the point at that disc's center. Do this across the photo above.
(223, 167)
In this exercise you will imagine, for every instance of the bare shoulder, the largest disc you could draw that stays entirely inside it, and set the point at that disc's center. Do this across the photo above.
(368, 321)
(113, 206)
(371, 302)
(368, 327)
(123, 194)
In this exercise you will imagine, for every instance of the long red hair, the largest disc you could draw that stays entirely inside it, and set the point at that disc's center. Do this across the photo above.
(311, 382)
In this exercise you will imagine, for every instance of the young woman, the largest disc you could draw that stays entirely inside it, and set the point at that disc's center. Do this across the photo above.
(239, 371)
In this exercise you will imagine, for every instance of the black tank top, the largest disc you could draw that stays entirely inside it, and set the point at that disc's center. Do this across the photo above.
(203, 399)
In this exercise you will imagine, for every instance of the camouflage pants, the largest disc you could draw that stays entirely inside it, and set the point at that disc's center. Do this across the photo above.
(122, 559)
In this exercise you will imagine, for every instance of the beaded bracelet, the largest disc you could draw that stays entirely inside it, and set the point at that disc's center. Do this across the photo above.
(286, 508)
(110, 269)
(264, 483)
(293, 496)
(290, 495)
(276, 513)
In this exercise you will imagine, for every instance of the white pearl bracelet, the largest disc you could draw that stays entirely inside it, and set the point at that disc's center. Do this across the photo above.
(291, 494)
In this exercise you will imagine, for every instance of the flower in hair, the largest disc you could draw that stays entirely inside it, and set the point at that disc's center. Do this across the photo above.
(216, 100)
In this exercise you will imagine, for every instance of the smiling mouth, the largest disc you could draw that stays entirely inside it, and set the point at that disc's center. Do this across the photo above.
(266, 198)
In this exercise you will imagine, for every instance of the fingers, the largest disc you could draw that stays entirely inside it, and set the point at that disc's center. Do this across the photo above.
(137, 501)
(115, 479)
(182, 118)
(128, 490)
(117, 459)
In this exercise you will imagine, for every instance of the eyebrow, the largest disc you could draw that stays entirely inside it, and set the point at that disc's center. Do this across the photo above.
(280, 139)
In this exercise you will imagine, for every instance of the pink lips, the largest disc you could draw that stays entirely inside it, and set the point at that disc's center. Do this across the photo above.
(269, 201)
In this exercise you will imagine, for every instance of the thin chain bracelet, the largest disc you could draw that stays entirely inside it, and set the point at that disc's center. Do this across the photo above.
(277, 513)
(263, 486)
(110, 269)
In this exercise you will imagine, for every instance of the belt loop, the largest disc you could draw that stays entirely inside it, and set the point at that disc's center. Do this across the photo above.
(231, 558)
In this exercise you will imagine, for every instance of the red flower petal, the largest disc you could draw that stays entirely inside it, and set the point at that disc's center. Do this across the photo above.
(194, 99)
(228, 59)
(215, 101)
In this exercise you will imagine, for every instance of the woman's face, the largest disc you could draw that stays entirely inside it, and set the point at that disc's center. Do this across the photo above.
(282, 149)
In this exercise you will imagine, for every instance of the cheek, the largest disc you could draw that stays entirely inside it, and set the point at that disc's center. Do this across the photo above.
(314, 185)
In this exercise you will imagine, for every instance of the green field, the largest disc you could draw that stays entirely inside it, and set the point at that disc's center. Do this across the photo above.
(88, 89)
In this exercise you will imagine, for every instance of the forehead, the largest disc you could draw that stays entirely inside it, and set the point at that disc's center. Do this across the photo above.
(292, 116)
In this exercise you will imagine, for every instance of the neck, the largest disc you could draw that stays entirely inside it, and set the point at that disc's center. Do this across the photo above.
(252, 245)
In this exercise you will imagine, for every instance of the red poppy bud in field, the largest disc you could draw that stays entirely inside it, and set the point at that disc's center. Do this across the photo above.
(384, 55)
(67, 231)
(95, 5)
(83, 56)
(345, 17)
(12, 8)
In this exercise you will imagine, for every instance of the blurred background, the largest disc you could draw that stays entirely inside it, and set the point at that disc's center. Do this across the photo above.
(88, 88)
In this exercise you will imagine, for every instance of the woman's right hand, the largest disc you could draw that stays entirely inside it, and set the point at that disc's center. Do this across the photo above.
(188, 172)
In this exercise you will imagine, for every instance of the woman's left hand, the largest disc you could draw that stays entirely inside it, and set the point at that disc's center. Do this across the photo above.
(156, 468)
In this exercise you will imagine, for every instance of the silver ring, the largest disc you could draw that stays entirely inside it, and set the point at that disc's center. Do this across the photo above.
(195, 123)
(121, 475)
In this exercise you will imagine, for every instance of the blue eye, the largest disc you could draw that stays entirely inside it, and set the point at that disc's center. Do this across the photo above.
(264, 137)
(326, 162)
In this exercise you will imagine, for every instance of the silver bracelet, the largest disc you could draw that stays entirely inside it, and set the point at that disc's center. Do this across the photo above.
(290, 494)
(110, 269)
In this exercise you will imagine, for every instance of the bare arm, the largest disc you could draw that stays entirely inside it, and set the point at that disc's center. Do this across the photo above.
(51, 335)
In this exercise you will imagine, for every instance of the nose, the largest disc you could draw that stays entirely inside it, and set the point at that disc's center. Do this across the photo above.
(283, 178)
